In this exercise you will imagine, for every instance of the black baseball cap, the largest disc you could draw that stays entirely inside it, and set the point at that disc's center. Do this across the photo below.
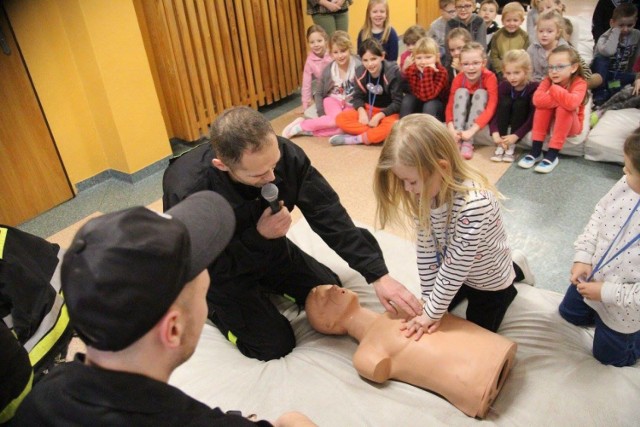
(124, 269)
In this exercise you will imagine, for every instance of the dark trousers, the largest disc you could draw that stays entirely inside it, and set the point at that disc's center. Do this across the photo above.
(512, 113)
(487, 308)
(609, 347)
(411, 104)
(600, 65)
(244, 313)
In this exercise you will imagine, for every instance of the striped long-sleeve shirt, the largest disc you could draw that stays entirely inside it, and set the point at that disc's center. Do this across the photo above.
(474, 243)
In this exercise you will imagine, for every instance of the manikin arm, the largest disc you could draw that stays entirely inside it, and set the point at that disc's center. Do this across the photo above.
(372, 364)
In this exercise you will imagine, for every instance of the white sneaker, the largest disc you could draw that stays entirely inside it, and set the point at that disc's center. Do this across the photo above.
(509, 154)
(520, 259)
(497, 155)
(290, 130)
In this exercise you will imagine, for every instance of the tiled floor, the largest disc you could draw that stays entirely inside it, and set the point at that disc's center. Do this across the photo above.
(544, 213)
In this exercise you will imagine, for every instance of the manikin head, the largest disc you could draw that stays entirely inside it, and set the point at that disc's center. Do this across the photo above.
(329, 306)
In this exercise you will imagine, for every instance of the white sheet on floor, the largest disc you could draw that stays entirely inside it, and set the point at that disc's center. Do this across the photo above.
(605, 141)
(555, 380)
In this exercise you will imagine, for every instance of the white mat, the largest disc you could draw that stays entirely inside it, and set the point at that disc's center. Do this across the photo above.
(555, 380)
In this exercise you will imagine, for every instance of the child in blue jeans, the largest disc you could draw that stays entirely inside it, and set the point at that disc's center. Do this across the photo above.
(605, 278)
(616, 52)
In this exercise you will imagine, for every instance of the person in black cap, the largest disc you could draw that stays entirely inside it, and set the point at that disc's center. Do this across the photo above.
(244, 155)
(135, 283)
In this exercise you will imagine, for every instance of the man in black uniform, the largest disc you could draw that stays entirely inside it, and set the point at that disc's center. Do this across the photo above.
(135, 283)
(244, 155)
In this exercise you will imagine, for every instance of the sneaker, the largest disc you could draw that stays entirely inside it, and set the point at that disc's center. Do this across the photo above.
(509, 155)
(497, 155)
(546, 166)
(338, 139)
(528, 161)
(593, 119)
(293, 128)
(466, 150)
(519, 258)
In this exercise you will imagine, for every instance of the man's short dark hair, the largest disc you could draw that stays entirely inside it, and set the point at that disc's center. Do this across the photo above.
(236, 130)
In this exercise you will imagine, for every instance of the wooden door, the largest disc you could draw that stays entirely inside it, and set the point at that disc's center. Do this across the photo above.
(427, 11)
(32, 178)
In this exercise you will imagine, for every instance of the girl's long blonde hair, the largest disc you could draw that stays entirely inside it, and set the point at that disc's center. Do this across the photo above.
(421, 141)
(367, 28)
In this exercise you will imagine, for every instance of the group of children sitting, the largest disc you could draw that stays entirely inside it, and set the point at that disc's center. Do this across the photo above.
(469, 73)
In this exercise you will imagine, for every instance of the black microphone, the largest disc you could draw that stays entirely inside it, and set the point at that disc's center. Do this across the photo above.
(270, 194)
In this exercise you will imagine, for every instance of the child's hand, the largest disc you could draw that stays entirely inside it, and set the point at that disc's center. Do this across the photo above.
(454, 133)
(375, 120)
(590, 290)
(407, 62)
(419, 325)
(330, 6)
(466, 135)
(363, 117)
(636, 87)
(510, 139)
(580, 271)
(301, 109)
(455, 64)
(497, 139)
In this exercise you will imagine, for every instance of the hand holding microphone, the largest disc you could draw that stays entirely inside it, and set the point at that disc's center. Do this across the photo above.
(275, 221)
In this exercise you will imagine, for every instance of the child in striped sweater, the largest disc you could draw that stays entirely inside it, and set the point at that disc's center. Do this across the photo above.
(462, 248)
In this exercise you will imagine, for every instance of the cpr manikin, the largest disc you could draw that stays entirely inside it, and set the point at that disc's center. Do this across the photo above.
(462, 362)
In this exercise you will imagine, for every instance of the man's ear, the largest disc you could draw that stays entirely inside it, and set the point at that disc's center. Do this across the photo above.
(217, 163)
(170, 328)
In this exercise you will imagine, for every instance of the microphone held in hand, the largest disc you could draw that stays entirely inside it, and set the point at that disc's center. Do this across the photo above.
(270, 194)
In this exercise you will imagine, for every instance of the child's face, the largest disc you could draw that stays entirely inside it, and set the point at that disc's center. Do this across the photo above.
(472, 63)
(341, 55)
(464, 9)
(560, 68)
(455, 46)
(410, 46)
(515, 75)
(548, 33)
(423, 60)
(625, 24)
(378, 15)
(544, 6)
(414, 184)
(633, 175)
(317, 43)
(488, 13)
(511, 22)
(448, 12)
(372, 62)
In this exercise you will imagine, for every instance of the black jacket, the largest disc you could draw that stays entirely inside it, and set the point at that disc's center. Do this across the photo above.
(300, 185)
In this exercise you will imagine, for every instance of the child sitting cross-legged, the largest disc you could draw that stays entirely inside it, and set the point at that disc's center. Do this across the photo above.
(473, 98)
(514, 116)
(428, 81)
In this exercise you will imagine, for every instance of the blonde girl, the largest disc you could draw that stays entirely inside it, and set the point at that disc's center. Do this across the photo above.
(559, 99)
(428, 81)
(454, 42)
(462, 249)
(473, 98)
(317, 60)
(377, 25)
(335, 88)
(514, 115)
(550, 33)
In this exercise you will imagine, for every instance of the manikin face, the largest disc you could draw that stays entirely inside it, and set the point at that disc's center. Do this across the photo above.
(326, 307)
(472, 63)
(515, 75)
(633, 175)
(455, 46)
(378, 15)
(318, 44)
(423, 60)
(548, 33)
(372, 62)
(512, 22)
(488, 13)
(414, 184)
(255, 167)
(341, 55)
(560, 68)
(464, 9)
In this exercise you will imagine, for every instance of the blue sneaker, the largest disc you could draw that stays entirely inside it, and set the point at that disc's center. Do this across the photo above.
(546, 166)
(528, 161)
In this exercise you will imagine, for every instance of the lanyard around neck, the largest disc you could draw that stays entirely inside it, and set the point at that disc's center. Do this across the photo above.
(372, 96)
(602, 263)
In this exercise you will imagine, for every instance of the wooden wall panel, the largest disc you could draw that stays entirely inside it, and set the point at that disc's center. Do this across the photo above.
(214, 54)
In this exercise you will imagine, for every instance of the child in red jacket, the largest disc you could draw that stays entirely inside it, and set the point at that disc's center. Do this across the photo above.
(560, 98)
(428, 81)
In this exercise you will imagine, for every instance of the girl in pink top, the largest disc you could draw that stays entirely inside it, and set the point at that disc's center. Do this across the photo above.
(317, 60)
